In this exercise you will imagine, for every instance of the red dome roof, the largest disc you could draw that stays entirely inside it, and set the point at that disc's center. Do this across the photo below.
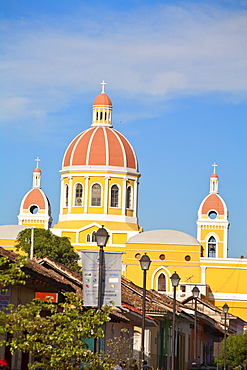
(37, 170)
(35, 196)
(100, 146)
(102, 99)
(213, 202)
(214, 175)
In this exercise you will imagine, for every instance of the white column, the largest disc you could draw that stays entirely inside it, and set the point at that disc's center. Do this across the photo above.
(61, 196)
(135, 200)
(203, 276)
(225, 244)
(86, 194)
(124, 196)
(107, 178)
(70, 194)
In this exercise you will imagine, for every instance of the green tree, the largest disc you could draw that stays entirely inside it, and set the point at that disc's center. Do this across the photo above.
(236, 351)
(11, 272)
(56, 341)
(46, 244)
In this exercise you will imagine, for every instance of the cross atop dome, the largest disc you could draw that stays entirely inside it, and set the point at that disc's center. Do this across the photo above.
(37, 160)
(214, 166)
(103, 83)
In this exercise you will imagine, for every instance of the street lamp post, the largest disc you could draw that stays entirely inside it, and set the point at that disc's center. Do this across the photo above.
(175, 281)
(195, 292)
(145, 263)
(101, 239)
(225, 310)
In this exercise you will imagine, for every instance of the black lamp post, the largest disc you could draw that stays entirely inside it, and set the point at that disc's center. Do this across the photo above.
(145, 263)
(101, 240)
(195, 292)
(225, 310)
(175, 281)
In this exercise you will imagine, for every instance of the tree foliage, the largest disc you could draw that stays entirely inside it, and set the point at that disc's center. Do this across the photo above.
(55, 340)
(236, 351)
(11, 272)
(46, 244)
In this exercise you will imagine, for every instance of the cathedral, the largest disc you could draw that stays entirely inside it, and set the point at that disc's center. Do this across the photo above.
(99, 186)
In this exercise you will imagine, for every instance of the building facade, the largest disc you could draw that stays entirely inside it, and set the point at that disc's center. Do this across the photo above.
(99, 186)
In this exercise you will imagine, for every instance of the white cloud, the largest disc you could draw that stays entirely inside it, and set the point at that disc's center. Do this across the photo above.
(158, 51)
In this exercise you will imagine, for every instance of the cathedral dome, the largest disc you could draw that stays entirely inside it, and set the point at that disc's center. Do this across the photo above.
(213, 202)
(35, 199)
(100, 146)
(103, 100)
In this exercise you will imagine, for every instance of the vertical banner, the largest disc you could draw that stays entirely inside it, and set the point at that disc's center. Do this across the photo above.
(111, 280)
(5, 298)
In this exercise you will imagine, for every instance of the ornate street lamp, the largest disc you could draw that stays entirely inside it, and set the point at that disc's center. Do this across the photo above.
(101, 240)
(225, 310)
(175, 281)
(195, 292)
(145, 263)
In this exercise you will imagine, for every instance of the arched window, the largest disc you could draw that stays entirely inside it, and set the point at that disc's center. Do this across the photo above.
(211, 247)
(66, 195)
(96, 195)
(94, 236)
(114, 196)
(78, 194)
(162, 283)
(88, 238)
(128, 197)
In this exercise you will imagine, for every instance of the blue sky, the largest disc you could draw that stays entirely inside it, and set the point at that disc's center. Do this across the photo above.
(176, 74)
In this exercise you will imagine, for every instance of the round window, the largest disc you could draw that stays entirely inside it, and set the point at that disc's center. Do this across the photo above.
(212, 215)
(162, 257)
(34, 209)
(187, 258)
(138, 256)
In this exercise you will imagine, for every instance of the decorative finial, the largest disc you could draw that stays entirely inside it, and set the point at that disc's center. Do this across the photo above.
(214, 166)
(103, 83)
(37, 160)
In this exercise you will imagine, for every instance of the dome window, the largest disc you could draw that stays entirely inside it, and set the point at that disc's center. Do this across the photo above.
(114, 196)
(212, 215)
(94, 237)
(66, 195)
(128, 197)
(34, 209)
(96, 195)
(78, 195)
(162, 283)
(211, 247)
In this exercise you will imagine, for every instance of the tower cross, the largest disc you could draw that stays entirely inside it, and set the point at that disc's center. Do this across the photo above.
(214, 166)
(103, 83)
(37, 160)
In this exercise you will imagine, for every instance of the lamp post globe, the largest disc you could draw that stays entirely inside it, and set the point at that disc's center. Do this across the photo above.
(101, 237)
(195, 292)
(145, 262)
(175, 279)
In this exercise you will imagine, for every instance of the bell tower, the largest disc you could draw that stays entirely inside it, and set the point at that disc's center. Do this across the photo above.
(212, 222)
(35, 209)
